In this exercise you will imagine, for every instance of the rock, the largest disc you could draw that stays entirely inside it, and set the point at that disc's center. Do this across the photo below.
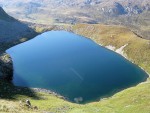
(28, 103)
(78, 100)
(35, 108)
(6, 67)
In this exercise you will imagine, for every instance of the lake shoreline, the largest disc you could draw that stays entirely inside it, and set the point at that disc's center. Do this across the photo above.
(81, 29)
(59, 96)
(42, 90)
(121, 52)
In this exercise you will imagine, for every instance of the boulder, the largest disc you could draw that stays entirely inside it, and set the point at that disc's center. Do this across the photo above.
(6, 67)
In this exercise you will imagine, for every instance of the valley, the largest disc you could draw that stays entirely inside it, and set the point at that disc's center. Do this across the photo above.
(133, 14)
(129, 38)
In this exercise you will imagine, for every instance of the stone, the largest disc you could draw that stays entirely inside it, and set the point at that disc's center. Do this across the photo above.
(6, 67)
(28, 103)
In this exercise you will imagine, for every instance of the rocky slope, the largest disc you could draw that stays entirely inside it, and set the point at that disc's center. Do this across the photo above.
(6, 67)
(53, 7)
(12, 32)
(11, 29)
(132, 13)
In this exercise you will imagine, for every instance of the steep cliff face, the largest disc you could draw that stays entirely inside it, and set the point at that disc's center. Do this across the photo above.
(11, 32)
(6, 67)
(11, 29)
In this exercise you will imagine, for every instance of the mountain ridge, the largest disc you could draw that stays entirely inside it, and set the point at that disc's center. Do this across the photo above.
(11, 28)
(134, 14)
(109, 6)
(5, 16)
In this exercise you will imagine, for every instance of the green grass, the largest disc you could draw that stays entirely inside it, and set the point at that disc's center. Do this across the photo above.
(132, 100)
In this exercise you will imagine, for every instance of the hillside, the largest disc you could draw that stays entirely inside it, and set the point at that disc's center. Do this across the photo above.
(137, 49)
(4, 16)
(12, 32)
(131, 13)
(12, 29)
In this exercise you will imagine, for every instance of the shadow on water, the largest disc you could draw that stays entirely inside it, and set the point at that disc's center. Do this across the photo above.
(7, 89)
(12, 32)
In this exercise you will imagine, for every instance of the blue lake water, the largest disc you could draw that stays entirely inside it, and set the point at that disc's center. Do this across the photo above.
(73, 66)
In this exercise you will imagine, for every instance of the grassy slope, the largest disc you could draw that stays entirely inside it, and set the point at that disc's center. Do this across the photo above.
(138, 50)
(131, 100)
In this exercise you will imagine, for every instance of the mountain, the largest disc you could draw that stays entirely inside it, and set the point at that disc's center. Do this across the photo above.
(117, 7)
(12, 29)
(131, 13)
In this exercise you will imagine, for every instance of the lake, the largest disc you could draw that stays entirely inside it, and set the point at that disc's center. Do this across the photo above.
(72, 66)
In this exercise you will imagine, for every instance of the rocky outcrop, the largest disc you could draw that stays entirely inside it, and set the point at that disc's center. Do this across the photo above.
(6, 67)
(12, 32)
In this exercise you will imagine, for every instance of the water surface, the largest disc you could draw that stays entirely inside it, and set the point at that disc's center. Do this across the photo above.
(72, 66)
